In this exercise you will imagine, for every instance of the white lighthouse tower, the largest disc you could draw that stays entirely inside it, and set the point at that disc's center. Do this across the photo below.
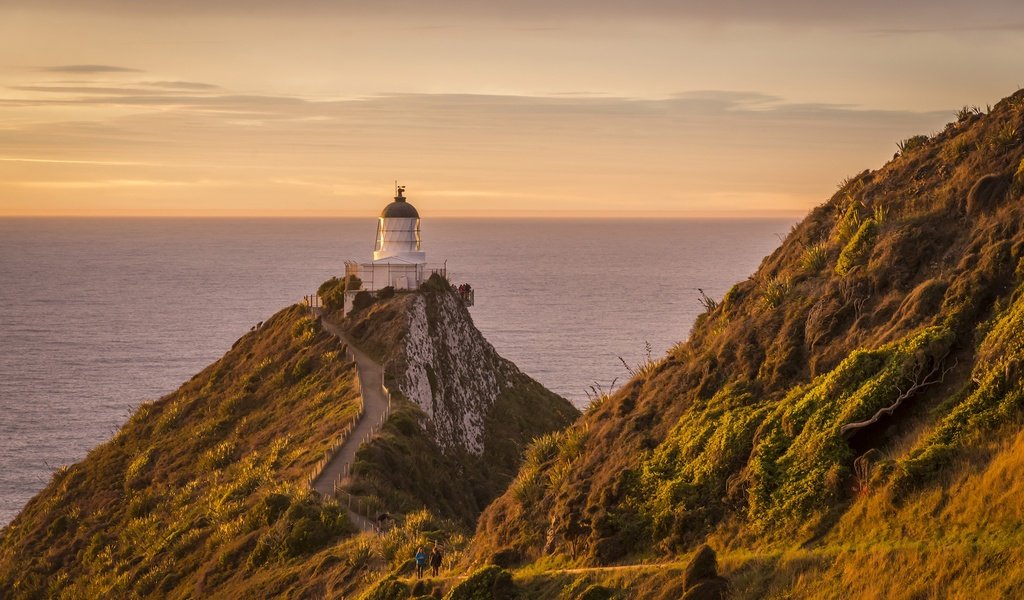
(398, 233)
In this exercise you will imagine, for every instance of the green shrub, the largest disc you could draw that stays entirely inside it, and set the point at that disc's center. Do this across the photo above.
(134, 477)
(274, 506)
(849, 223)
(685, 477)
(774, 290)
(389, 589)
(967, 113)
(911, 143)
(1018, 179)
(300, 368)
(489, 583)
(800, 458)
(385, 293)
(997, 400)
(329, 285)
(957, 148)
(814, 258)
(305, 328)
(219, 456)
(332, 293)
(1003, 137)
(542, 449)
(880, 214)
(858, 248)
(362, 300)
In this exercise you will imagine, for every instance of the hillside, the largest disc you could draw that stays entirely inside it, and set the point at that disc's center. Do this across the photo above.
(844, 421)
(204, 493)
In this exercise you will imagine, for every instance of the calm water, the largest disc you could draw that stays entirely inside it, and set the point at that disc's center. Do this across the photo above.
(98, 315)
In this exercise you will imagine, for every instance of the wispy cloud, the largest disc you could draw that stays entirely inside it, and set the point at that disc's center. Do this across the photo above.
(180, 85)
(88, 69)
(722, 150)
(117, 183)
(82, 89)
(61, 161)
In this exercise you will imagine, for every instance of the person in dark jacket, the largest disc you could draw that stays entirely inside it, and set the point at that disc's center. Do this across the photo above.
(435, 559)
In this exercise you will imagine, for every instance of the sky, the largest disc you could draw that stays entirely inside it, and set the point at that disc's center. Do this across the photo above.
(646, 108)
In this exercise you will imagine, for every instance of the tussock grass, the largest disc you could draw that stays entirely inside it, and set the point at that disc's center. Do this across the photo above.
(774, 291)
(814, 258)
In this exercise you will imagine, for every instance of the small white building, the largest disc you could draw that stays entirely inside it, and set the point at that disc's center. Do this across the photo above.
(398, 257)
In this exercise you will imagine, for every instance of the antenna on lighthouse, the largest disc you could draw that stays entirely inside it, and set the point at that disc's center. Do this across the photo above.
(399, 190)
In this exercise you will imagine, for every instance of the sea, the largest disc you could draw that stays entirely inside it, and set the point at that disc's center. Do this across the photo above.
(99, 315)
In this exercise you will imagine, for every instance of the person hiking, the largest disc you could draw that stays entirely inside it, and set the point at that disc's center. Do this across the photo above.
(421, 562)
(435, 559)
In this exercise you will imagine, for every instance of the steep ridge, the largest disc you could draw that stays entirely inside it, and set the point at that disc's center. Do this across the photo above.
(871, 363)
(206, 492)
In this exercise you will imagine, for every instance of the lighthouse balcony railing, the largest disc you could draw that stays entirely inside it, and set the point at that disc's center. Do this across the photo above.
(441, 270)
(375, 276)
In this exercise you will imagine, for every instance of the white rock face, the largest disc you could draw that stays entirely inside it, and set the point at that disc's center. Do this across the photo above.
(451, 371)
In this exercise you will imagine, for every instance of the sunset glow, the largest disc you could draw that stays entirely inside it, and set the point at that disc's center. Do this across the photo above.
(314, 108)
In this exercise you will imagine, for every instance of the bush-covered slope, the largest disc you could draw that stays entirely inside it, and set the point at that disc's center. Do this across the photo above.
(870, 357)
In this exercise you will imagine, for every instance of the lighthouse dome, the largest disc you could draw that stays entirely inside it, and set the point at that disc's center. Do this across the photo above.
(399, 209)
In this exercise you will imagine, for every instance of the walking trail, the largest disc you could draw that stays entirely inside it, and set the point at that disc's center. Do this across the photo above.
(375, 406)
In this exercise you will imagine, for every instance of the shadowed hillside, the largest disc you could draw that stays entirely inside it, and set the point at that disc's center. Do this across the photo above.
(864, 381)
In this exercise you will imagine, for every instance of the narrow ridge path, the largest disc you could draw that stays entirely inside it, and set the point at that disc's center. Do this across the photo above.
(375, 406)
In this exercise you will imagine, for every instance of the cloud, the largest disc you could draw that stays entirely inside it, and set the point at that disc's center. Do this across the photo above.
(720, 149)
(79, 69)
(117, 183)
(181, 85)
(426, 111)
(940, 14)
(109, 163)
(81, 89)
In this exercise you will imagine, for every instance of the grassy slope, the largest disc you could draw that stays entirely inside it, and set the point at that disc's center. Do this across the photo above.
(909, 273)
(198, 484)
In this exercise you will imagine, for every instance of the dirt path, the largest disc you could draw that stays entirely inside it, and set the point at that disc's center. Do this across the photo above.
(375, 406)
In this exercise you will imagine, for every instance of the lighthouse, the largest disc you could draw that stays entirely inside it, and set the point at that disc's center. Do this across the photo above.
(399, 262)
